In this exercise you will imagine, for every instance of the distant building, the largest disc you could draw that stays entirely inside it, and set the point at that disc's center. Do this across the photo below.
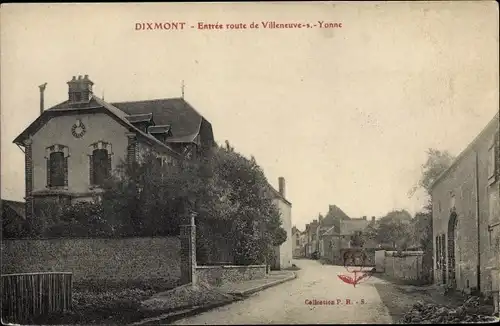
(465, 213)
(283, 254)
(72, 147)
(336, 239)
(296, 242)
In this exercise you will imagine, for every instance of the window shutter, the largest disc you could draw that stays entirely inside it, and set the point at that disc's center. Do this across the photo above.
(48, 171)
(66, 171)
(109, 164)
(91, 169)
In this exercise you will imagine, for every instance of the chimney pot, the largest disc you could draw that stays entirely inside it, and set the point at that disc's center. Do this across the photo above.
(86, 77)
(74, 78)
(282, 189)
(79, 77)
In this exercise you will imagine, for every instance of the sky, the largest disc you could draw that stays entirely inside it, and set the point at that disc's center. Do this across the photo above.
(345, 115)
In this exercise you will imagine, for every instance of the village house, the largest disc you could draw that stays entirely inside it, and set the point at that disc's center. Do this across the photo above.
(343, 237)
(72, 147)
(331, 220)
(296, 242)
(465, 217)
(310, 246)
(283, 254)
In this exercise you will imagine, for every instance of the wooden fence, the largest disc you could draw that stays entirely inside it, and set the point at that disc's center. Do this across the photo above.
(29, 295)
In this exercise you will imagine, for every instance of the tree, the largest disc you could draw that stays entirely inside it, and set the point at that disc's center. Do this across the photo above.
(357, 240)
(394, 228)
(437, 162)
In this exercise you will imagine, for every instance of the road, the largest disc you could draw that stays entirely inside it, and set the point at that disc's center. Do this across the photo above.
(370, 302)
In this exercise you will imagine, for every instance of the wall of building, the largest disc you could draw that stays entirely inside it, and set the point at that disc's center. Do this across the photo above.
(218, 275)
(461, 181)
(99, 127)
(285, 250)
(96, 259)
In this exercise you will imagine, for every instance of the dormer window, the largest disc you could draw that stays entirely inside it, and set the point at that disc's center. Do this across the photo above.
(141, 121)
(160, 132)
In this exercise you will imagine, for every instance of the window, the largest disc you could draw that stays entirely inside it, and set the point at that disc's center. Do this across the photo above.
(297, 242)
(57, 166)
(452, 201)
(100, 163)
(56, 169)
(491, 161)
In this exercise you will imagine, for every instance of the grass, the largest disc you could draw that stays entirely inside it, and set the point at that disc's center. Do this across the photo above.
(106, 302)
(118, 303)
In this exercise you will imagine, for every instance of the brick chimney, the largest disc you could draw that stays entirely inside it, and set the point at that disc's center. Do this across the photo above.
(282, 189)
(364, 218)
(42, 90)
(79, 89)
(373, 218)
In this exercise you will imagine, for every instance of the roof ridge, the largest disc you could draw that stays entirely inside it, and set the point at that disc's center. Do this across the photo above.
(150, 100)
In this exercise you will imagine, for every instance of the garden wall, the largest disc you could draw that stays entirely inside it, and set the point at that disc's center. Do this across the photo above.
(405, 266)
(126, 259)
(218, 275)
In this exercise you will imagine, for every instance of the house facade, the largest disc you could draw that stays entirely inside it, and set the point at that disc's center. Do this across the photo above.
(296, 242)
(72, 147)
(336, 239)
(465, 211)
(283, 254)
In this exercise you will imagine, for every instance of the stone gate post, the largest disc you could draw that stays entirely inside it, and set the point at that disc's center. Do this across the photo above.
(188, 252)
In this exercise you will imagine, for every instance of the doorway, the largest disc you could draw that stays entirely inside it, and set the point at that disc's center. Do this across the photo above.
(452, 226)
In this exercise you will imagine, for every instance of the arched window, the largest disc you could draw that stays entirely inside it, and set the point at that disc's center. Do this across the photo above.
(99, 163)
(57, 166)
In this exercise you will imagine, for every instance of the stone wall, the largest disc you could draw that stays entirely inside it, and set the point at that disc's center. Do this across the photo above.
(405, 266)
(218, 275)
(470, 202)
(124, 259)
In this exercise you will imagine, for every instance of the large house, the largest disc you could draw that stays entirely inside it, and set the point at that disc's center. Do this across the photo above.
(72, 147)
(465, 209)
(283, 254)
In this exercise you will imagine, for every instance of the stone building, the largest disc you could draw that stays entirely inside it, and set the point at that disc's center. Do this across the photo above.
(284, 252)
(464, 213)
(72, 147)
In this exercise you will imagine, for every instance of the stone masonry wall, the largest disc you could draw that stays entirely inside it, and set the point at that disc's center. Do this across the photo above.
(407, 267)
(110, 259)
(217, 275)
(461, 182)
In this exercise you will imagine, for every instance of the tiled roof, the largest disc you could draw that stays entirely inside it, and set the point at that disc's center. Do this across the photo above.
(278, 195)
(349, 226)
(176, 112)
(458, 159)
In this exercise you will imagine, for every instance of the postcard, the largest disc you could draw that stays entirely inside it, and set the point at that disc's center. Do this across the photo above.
(250, 163)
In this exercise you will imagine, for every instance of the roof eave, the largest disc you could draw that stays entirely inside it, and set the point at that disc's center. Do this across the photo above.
(462, 154)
